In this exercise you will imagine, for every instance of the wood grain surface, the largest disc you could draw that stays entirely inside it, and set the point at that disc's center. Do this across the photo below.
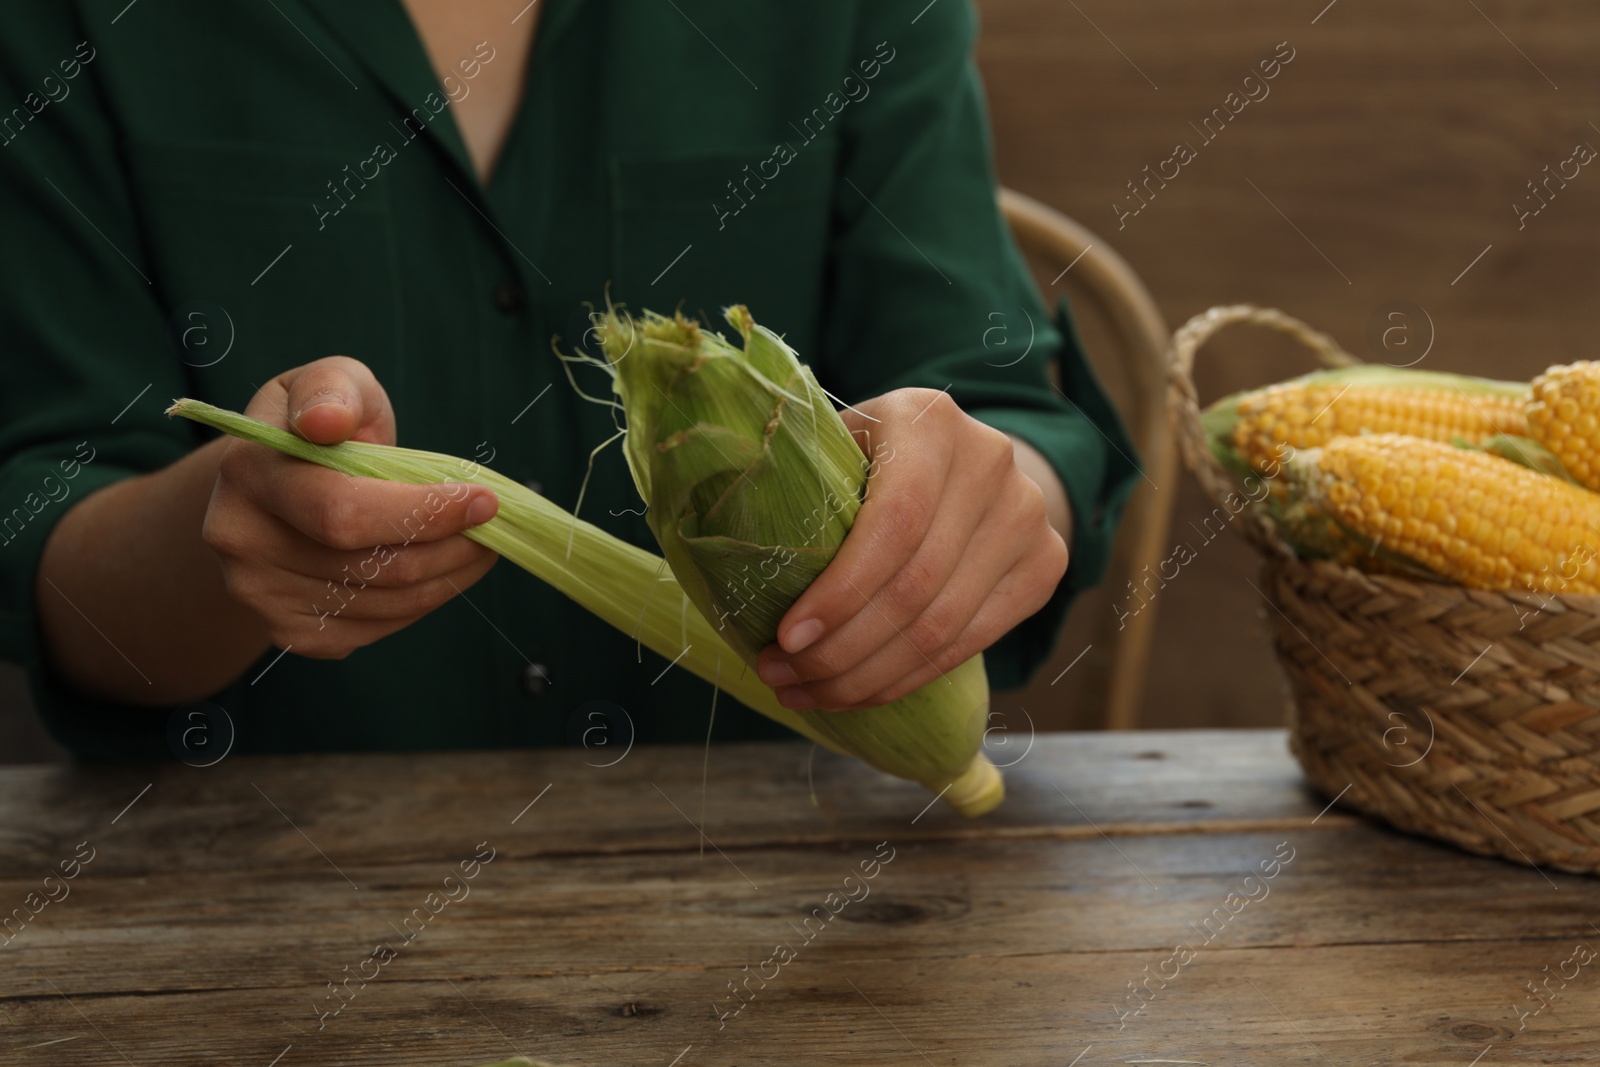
(220, 902)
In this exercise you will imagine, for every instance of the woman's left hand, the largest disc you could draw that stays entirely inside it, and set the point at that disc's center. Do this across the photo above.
(952, 548)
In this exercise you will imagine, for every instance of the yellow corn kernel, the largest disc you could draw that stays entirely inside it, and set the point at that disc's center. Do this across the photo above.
(1562, 416)
(1472, 517)
(1309, 414)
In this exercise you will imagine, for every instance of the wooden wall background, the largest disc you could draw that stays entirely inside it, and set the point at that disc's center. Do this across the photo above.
(1395, 141)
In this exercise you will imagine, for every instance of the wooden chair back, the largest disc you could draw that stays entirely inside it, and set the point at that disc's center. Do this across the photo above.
(1085, 266)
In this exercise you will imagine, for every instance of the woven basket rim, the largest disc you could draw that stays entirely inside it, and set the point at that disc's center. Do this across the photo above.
(1408, 585)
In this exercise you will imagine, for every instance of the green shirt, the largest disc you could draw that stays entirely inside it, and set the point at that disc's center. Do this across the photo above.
(202, 195)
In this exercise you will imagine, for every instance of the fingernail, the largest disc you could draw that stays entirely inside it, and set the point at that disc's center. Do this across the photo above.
(482, 509)
(801, 635)
(316, 402)
(796, 699)
(777, 672)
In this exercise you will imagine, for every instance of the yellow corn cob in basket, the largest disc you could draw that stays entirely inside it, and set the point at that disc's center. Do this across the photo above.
(1248, 430)
(1463, 515)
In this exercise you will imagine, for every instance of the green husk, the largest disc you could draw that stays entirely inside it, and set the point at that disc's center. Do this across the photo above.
(751, 477)
(1524, 451)
(933, 736)
(752, 482)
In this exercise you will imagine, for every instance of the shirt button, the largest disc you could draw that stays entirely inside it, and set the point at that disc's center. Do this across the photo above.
(508, 297)
(535, 485)
(535, 679)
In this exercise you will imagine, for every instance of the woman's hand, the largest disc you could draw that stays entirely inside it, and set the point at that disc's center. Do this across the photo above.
(331, 563)
(952, 548)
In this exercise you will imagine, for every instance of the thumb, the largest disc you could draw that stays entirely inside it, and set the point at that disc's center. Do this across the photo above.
(338, 399)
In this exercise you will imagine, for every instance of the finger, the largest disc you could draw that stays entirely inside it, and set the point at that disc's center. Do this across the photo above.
(924, 642)
(321, 630)
(1018, 596)
(902, 502)
(355, 513)
(339, 399)
(418, 562)
(390, 565)
(327, 401)
(351, 600)
(1014, 562)
(902, 599)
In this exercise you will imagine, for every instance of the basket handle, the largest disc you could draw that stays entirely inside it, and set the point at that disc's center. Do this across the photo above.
(1183, 403)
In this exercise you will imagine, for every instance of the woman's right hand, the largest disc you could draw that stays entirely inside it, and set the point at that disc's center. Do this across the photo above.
(328, 562)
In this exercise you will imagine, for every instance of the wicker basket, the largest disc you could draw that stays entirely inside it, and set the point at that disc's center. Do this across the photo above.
(1464, 715)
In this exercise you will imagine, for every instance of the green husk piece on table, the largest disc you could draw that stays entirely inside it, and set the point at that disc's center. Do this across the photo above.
(692, 438)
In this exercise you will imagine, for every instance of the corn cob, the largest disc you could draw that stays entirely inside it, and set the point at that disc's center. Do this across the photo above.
(1466, 516)
(1249, 430)
(1564, 416)
(750, 477)
(752, 481)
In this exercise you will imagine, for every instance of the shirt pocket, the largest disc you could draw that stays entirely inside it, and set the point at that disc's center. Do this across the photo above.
(239, 246)
(741, 226)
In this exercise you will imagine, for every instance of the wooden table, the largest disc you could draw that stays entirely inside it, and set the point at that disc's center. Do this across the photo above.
(220, 902)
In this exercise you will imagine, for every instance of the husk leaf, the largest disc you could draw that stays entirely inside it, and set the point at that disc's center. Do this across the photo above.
(914, 738)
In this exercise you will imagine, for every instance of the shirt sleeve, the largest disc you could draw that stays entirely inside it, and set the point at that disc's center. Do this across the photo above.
(88, 365)
(927, 288)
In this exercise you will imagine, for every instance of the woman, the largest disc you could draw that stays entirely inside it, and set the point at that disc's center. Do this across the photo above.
(368, 220)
